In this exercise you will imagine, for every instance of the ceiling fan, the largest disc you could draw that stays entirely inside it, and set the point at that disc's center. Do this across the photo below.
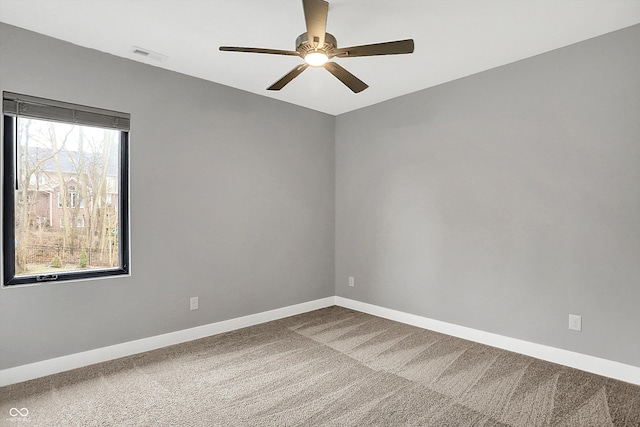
(317, 47)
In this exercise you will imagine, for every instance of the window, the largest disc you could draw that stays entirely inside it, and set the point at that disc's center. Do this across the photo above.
(70, 199)
(64, 160)
(79, 222)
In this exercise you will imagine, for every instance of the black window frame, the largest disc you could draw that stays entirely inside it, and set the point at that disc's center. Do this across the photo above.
(16, 105)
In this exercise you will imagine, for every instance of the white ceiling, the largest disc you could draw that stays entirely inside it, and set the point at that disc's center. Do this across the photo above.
(453, 38)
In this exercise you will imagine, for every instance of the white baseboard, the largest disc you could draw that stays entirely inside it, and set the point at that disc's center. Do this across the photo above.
(595, 365)
(608, 368)
(85, 358)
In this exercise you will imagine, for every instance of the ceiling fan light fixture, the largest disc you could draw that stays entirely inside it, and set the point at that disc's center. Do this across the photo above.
(316, 58)
(316, 47)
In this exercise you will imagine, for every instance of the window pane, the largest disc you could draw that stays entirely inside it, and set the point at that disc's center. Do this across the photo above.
(66, 176)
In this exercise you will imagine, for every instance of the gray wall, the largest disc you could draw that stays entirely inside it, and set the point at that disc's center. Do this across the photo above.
(231, 200)
(503, 201)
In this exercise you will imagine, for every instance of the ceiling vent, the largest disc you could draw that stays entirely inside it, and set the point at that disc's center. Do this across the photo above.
(146, 53)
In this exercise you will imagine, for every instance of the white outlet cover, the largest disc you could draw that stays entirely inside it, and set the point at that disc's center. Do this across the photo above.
(575, 322)
(352, 281)
(193, 303)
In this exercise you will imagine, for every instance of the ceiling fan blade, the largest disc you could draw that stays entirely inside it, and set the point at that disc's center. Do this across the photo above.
(354, 83)
(315, 15)
(288, 77)
(258, 50)
(389, 48)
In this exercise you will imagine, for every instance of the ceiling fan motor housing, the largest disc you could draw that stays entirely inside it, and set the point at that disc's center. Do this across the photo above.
(304, 46)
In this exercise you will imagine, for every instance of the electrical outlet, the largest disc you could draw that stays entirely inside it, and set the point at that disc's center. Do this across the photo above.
(575, 322)
(193, 303)
(352, 281)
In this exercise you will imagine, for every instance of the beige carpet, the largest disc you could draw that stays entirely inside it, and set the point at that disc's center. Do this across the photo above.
(330, 367)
